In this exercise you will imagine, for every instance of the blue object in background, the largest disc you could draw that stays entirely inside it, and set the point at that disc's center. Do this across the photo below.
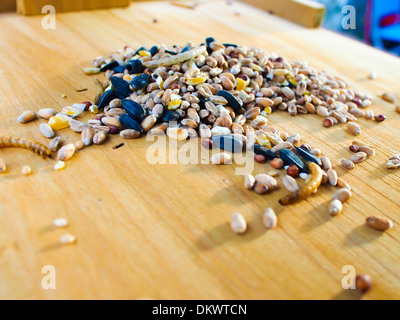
(377, 21)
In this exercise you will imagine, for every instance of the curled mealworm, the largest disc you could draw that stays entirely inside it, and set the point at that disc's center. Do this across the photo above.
(308, 189)
(181, 57)
(100, 91)
(33, 145)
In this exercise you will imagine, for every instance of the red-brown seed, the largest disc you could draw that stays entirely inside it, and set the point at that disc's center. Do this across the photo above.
(206, 143)
(277, 163)
(293, 171)
(354, 148)
(380, 118)
(327, 123)
(259, 158)
(363, 283)
(87, 104)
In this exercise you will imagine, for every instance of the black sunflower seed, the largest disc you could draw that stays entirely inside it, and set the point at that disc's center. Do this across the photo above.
(289, 158)
(140, 81)
(106, 98)
(232, 101)
(268, 154)
(121, 86)
(308, 156)
(135, 66)
(109, 66)
(130, 123)
(134, 109)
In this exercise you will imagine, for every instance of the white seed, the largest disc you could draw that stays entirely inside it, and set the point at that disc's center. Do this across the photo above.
(87, 136)
(347, 164)
(46, 130)
(249, 181)
(358, 157)
(77, 126)
(26, 116)
(326, 163)
(353, 128)
(99, 138)
(60, 165)
(68, 239)
(389, 97)
(205, 131)
(47, 113)
(332, 177)
(290, 183)
(60, 222)
(54, 144)
(238, 223)
(218, 131)
(270, 219)
(221, 158)
(368, 150)
(66, 152)
(342, 194)
(281, 146)
(303, 175)
(26, 170)
(316, 152)
(267, 180)
(335, 207)
(372, 75)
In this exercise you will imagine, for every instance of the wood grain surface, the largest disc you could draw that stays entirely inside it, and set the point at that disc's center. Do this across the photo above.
(163, 231)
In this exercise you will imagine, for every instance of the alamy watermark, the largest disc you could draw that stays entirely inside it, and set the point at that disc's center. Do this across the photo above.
(349, 21)
(49, 280)
(49, 21)
(349, 280)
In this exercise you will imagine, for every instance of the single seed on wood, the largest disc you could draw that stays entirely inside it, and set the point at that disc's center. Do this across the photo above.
(379, 223)
(54, 144)
(389, 97)
(368, 150)
(221, 158)
(372, 75)
(66, 152)
(87, 136)
(267, 180)
(270, 219)
(129, 134)
(26, 116)
(47, 113)
(60, 165)
(363, 283)
(249, 181)
(353, 128)
(68, 239)
(342, 195)
(79, 145)
(335, 207)
(347, 164)
(332, 177)
(26, 170)
(77, 126)
(342, 184)
(238, 223)
(358, 157)
(290, 184)
(60, 223)
(3, 166)
(260, 188)
(46, 131)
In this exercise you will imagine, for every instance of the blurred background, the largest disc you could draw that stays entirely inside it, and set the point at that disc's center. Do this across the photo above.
(377, 21)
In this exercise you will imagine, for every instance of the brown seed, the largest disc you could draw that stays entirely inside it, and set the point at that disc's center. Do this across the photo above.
(354, 148)
(363, 283)
(87, 136)
(99, 138)
(328, 122)
(259, 158)
(27, 116)
(148, 123)
(46, 131)
(79, 145)
(342, 195)
(249, 181)
(270, 219)
(342, 184)
(111, 121)
(260, 188)
(66, 152)
(293, 171)
(129, 134)
(347, 164)
(379, 223)
(277, 163)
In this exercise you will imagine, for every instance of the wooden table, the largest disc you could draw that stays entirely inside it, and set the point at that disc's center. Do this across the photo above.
(163, 231)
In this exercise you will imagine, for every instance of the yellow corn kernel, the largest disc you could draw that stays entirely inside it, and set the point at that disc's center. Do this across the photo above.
(256, 67)
(59, 121)
(196, 81)
(240, 84)
(60, 165)
(174, 104)
(144, 53)
(263, 141)
(268, 110)
(94, 109)
(160, 83)
(306, 93)
(127, 77)
(293, 81)
(71, 111)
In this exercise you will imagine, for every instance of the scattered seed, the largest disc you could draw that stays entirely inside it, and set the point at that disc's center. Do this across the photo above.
(46, 131)
(277, 163)
(26, 170)
(342, 184)
(347, 164)
(99, 138)
(26, 116)
(60, 223)
(326, 163)
(87, 136)
(249, 181)
(335, 207)
(363, 283)
(290, 184)
(303, 175)
(66, 152)
(273, 173)
(354, 148)
(221, 158)
(380, 118)
(79, 145)
(238, 223)
(3, 167)
(332, 177)
(353, 128)
(68, 239)
(379, 223)
(60, 165)
(267, 181)
(259, 158)
(368, 150)
(47, 113)
(398, 108)
(358, 157)
(293, 171)
(388, 97)
(270, 219)
(260, 188)
(342, 195)
(372, 75)
(55, 144)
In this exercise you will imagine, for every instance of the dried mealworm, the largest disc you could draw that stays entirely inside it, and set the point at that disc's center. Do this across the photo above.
(100, 91)
(33, 145)
(181, 57)
(308, 189)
